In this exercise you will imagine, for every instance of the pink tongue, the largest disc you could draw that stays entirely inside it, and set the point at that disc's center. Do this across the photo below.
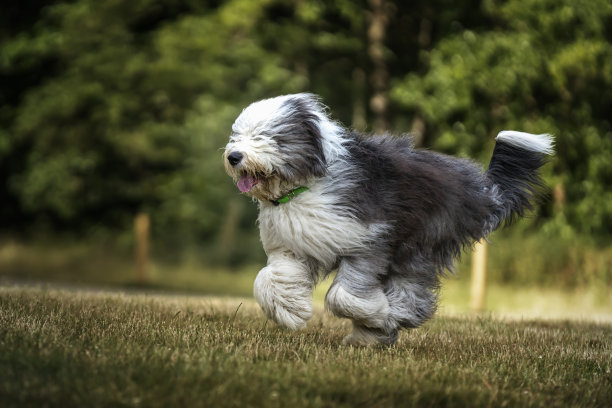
(246, 183)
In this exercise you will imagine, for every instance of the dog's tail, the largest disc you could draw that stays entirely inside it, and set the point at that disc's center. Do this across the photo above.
(514, 171)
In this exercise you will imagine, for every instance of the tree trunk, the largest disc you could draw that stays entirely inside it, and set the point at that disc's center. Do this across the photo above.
(379, 78)
(359, 110)
(229, 229)
(418, 122)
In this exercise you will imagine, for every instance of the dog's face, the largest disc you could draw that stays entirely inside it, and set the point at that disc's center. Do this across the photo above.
(276, 145)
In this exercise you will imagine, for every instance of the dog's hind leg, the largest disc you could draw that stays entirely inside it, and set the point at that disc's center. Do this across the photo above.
(357, 293)
(283, 289)
(412, 299)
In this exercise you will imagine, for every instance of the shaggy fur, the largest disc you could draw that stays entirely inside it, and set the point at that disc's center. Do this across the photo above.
(390, 218)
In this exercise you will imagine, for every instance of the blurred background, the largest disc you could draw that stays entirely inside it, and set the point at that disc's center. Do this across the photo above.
(114, 111)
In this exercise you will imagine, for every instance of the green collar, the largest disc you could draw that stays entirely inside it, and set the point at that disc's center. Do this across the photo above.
(287, 197)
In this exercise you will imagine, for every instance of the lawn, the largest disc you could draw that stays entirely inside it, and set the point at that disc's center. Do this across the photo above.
(87, 348)
(84, 265)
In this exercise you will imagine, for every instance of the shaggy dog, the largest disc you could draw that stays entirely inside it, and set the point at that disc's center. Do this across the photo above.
(391, 219)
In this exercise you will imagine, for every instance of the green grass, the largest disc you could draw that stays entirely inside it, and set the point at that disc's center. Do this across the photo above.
(84, 265)
(71, 348)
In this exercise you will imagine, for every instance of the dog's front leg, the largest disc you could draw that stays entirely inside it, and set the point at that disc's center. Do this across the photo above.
(283, 289)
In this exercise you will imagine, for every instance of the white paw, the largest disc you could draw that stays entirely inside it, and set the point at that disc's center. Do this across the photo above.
(372, 310)
(286, 301)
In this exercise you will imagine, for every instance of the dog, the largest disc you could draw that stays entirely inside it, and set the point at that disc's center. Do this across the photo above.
(390, 218)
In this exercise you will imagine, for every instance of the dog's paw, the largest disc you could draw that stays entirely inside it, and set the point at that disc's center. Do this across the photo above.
(287, 303)
(366, 336)
(372, 310)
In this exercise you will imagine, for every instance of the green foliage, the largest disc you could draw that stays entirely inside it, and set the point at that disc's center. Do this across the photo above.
(138, 102)
(545, 67)
(113, 108)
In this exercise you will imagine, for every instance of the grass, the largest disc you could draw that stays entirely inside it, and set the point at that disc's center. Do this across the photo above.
(86, 265)
(83, 265)
(74, 348)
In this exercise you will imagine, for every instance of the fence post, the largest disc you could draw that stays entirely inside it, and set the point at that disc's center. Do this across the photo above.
(479, 276)
(141, 230)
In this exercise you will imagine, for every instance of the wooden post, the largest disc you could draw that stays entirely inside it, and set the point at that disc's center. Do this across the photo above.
(479, 275)
(229, 228)
(141, 230)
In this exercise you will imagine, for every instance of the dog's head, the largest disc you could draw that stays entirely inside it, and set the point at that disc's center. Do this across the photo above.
(276, 145)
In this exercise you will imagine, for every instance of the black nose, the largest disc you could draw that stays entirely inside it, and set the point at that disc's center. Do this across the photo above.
(234, 158)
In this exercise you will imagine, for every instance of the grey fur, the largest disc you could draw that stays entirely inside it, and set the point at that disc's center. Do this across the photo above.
(430, 207)
(299, 140)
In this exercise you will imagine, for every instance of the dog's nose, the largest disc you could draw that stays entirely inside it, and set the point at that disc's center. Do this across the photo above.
(234, 158)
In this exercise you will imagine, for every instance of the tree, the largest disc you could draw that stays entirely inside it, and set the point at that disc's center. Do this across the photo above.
(545, 67)
(133, 101)
(112, 108)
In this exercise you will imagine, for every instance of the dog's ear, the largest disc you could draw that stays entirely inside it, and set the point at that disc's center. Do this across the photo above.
(301, 140)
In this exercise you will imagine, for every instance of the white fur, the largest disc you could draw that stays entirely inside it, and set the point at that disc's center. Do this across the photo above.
(256, 118)
(537, 143)
(283, 289)
(315, 231)
(259, 151)
(260, 116)
(312, 225)
(372, 310)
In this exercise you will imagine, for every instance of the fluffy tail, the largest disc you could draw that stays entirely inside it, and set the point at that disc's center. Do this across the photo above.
(514, 172)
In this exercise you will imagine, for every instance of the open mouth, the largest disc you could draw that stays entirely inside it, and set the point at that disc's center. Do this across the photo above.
(246, 183)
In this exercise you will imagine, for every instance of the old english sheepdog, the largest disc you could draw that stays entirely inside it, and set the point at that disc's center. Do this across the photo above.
(390, 218)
